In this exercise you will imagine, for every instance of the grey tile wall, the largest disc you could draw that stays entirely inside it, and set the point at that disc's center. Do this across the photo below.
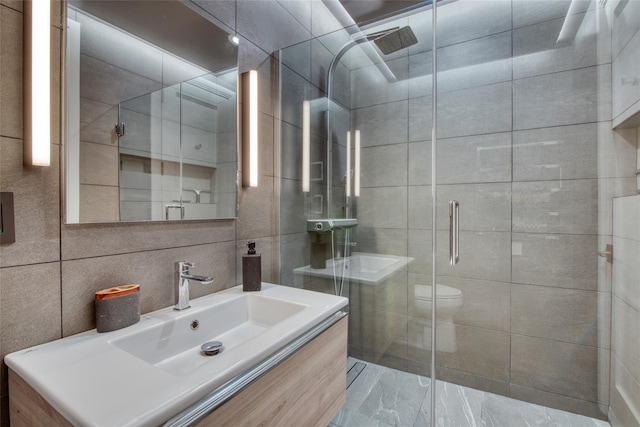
(566, 315)
(110, 84)
(569, 97)
(383, 207)
(554, 366)
(474, 63)
(97, 121)
(389, 296)
(566, 152)
(11, 77)
(36, 206)
(625, 310)
(384, 166)
(419, 166)
(526, 13)
(567, 206)
(29, 308)
(537, 52)
(482, 352)
(485, 207)
(626, 23)
(106, 44)
(382, 124)
(257, 18)
(370, 87)
(153, 270)
(558, 260)
(420, 118)
(105, 169)
(473, 20)
(486, 255)
(553, 400)
(475, 111)
(485, 304)
(625, 93)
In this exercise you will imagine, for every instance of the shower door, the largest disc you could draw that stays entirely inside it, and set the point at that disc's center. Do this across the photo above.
(524, 154)
(523, 99)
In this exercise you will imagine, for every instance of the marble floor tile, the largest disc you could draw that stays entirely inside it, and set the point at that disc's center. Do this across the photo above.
(558, 418)
(360, 389)
(378, 396)
(499, 411)
(396, 398)
(456, 406)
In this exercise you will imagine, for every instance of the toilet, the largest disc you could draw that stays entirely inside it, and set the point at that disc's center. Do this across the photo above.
(448, 302)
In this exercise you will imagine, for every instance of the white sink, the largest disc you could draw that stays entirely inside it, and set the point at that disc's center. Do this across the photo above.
(369, 263)
(174, 346)
(147, 373)
(366, 268)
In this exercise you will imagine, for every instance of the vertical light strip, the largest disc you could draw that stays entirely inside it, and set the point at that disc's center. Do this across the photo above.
(356, 166)
(434, 202)
(38, 150)
(348, 168)
(72, 80)
(306, 145)
(253, 133)
(250, 129)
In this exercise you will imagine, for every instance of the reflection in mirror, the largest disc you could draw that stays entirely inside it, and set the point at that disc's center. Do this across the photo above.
(151, 114)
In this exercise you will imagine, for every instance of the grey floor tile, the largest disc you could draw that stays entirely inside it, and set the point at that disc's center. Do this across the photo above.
(456, 406)
(381, 396)
(360, 389)
(396, 398)
(499, 411)
(558, 418)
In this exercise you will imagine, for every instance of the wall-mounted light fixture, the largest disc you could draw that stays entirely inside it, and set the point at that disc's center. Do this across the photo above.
(306, 145)
(356, 165)
(250, 129)
(347, 183)
(37, 32)
(572, 22)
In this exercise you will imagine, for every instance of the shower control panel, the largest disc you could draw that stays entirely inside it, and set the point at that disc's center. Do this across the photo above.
(325, 225)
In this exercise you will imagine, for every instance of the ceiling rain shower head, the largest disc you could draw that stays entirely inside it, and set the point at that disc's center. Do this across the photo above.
(393, 40)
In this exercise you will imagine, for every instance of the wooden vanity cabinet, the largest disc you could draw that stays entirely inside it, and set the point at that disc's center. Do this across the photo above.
(306, 389)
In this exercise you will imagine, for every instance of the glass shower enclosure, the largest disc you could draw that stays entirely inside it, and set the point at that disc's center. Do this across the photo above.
(511, 141)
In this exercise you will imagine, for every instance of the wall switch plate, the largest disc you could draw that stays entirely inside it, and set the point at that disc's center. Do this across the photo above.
(7, 225)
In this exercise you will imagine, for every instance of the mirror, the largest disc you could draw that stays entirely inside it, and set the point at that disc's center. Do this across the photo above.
(151, 113)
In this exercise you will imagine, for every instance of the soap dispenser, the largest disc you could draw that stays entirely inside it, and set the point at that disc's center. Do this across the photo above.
(251, 269)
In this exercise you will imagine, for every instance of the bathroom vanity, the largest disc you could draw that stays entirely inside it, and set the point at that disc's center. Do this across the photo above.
(283, 363)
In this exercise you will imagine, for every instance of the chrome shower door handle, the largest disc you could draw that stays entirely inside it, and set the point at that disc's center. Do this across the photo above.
(454, 210)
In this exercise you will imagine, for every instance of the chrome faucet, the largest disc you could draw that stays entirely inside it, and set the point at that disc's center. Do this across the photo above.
(181, 281)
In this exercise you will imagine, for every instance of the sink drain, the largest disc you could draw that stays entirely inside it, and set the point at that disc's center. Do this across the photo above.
(211, 348)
